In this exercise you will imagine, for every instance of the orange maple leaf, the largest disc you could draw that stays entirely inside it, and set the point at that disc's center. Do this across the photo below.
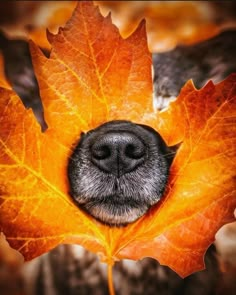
(93, 76)
(3, 81)
(169, 23)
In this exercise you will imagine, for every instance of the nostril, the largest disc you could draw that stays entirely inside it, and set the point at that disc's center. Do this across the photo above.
(101, 152)
(134, 151)
(117, 152)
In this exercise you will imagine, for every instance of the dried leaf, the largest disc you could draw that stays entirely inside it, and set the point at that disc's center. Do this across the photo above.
(93, 76)
(169, 23)
(58, 12)
(3, 81)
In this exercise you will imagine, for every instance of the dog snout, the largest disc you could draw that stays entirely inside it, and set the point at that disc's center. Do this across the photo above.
(118, 153)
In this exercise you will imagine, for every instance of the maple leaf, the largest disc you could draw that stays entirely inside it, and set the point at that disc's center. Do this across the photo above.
(93, 76)
(58, 12)
(169, 23)
(3, 81)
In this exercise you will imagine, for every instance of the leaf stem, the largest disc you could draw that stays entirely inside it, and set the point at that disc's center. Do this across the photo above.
(110, 279)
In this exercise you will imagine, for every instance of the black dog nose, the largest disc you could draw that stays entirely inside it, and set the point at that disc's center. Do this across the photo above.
(118, 152)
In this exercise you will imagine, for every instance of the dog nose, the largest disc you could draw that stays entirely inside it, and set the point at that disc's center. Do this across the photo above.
(118, 152)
